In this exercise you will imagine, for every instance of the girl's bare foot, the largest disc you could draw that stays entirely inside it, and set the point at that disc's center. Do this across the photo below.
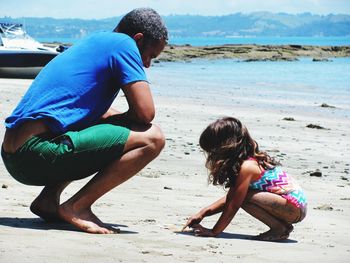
(85, 220)
(275, 234)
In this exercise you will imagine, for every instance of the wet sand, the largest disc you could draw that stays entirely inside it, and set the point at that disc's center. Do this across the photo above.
(151, 208)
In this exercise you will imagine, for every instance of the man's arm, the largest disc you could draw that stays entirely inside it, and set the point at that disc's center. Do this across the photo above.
(140, 101)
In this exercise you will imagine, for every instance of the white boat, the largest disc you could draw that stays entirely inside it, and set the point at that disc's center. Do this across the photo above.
(20, 55)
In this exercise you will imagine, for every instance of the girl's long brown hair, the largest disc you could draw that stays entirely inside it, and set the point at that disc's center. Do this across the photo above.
(227, 143)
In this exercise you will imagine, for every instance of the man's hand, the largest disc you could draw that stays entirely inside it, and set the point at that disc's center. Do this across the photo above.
(110, 112)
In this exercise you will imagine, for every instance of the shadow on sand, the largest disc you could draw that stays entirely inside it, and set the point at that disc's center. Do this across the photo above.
(226, 235)
(39, 224)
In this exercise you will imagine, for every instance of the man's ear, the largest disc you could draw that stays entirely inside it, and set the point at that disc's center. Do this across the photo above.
(138, 37)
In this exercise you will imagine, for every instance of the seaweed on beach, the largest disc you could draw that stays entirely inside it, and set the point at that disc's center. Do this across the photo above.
(288, 119)
(325, 105)
(315, 126)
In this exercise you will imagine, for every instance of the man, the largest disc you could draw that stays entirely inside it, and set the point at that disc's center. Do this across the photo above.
(64, 129)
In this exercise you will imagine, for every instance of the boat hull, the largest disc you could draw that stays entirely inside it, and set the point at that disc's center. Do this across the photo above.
(19, 72)
(23, 63)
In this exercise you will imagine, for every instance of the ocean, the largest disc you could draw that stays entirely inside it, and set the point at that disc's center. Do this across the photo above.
(296, 87)
(314, 41)
(205, 41)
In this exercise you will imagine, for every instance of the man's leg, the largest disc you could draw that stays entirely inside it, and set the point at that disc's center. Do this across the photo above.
(140, 149)
(47, 203)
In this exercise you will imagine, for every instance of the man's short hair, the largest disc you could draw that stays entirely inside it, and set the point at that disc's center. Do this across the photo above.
(146, 21)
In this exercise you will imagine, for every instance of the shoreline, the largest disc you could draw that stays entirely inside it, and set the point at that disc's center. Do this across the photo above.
(246, 52)
(253, 52)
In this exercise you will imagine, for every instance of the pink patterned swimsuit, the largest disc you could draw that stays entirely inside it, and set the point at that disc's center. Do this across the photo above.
(279, 182)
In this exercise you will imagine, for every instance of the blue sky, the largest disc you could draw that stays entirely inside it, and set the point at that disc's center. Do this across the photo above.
(88, 9)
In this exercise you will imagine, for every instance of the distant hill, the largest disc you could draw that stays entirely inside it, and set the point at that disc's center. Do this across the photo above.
(260, 24)
(238, 24)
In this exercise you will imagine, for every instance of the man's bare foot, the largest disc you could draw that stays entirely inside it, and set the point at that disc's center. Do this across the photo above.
(47, 203)
(275, 235)
(46, 208)
(85, 220)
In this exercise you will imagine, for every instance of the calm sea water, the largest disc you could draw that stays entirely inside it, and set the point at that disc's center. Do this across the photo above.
(298, 85)
(204, 41)
(315, 41)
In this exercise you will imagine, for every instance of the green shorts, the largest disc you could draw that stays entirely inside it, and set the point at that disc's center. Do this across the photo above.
(48, 160)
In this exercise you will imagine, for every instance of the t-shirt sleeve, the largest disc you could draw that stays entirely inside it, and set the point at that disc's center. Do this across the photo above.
(127, 64)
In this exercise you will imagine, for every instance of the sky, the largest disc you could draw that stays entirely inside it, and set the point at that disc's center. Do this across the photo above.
(97, 9)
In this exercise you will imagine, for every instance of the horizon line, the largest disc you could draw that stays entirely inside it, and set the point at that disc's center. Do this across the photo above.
(188, 14)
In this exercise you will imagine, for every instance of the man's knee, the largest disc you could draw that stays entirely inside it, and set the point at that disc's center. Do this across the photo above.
(156, 139)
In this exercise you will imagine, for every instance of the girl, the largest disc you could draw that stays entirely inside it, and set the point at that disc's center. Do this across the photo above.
(254, 180)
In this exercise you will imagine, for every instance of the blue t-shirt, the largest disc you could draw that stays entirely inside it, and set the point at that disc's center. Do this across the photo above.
(78, 86)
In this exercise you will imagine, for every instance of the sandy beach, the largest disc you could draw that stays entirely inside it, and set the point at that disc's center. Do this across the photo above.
(151, 208)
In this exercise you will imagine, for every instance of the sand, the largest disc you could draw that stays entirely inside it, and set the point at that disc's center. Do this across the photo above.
(151, 208)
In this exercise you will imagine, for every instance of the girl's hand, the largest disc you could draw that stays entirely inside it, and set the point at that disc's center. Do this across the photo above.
(193, 221)
(202, 231)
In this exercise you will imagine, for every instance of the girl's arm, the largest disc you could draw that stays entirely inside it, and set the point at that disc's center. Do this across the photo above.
(212, 209)
(234, 200)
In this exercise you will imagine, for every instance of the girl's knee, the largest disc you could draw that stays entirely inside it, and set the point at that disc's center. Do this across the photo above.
(301, 215)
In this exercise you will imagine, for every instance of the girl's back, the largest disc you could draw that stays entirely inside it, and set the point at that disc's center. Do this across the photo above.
(277, 181)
